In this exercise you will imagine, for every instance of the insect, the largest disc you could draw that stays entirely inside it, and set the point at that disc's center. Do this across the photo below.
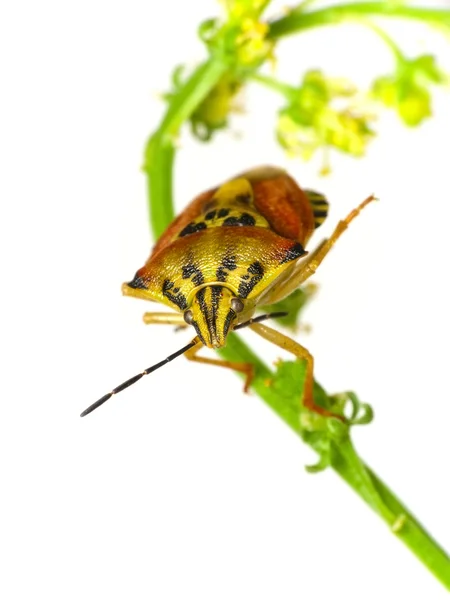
(235, 247)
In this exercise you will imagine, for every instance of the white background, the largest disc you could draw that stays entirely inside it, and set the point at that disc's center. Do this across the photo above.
(183, 487)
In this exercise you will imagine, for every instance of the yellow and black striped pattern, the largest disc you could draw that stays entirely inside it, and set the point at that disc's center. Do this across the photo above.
(212, 315)
(319, 205)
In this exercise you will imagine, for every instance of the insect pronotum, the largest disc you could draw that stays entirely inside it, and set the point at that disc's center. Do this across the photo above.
(235, 248)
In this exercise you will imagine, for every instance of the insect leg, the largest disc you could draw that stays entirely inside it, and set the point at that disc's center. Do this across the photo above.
(311, 263)
(245, 368)
(151, 318)
(287, 343)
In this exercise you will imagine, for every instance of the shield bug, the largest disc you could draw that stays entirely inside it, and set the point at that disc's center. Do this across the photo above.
(234, 248)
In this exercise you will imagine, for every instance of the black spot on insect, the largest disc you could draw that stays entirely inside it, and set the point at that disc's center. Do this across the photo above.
(256, 268)
(244, 220)
(231, 222)
(223, 212)
(229, 262)
(245, 288)
(138, 283)
(176, 290)
(210, 215)
(293, 252)
(192, 228)
(177, 298)
(247, 220)
(198, 278)
(221, 274)
(247, 284)
(189, 270)
(243, 198)
(320, 213)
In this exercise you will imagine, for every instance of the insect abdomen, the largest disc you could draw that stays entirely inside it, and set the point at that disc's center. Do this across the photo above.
(230, 205)
(266, 198)
(319, 205)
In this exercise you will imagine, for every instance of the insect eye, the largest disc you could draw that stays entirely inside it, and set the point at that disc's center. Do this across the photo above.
(188, 317)
(237, 305)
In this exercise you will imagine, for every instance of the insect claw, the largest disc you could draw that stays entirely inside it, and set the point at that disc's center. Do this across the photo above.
(249, 379)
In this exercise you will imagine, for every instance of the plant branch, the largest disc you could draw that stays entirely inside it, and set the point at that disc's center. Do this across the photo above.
(347, 464)
(332, 442)
(297, 20)
(159, 153)
(274, 84)
(398, 54)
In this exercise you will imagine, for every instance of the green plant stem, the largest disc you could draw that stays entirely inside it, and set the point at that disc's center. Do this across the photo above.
(398, 54)
(304, 5)
(297, 20)
(159, 183)
(158, 166)
(273, 84)
(160, 150)
(347, 464)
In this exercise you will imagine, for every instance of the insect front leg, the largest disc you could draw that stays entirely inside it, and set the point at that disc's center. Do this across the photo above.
(311, 263)
(287, 343)
(245, 368)
(154, 318)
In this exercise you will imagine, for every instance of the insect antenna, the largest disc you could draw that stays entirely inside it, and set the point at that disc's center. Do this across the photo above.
(128, 382)
(274, 315)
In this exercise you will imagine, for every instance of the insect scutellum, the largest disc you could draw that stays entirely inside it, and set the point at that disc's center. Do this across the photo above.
(234, 248)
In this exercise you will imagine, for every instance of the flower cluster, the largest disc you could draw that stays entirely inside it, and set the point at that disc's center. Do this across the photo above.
(242, 39)
(212, 114)
(323, 112)
(407, 90)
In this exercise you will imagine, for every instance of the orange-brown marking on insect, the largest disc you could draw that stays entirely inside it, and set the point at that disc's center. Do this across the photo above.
(190, 213)
(193, 260)
(286, 207)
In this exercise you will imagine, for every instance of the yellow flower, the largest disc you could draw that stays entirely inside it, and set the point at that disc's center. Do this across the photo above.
(212, 113)
(407, 90)
(323, 112)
